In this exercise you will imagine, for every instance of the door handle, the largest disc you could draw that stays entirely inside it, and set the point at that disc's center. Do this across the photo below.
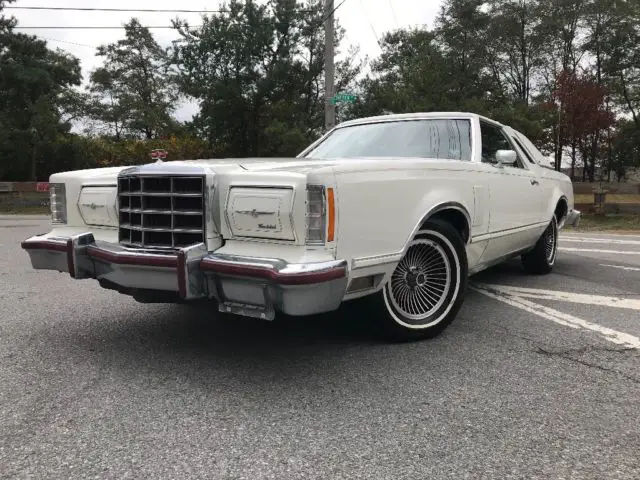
(534, 182)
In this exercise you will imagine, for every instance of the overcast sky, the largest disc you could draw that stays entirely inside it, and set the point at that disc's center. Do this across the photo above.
(364, 20)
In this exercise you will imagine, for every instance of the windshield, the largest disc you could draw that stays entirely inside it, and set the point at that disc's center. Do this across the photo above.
(429, 138)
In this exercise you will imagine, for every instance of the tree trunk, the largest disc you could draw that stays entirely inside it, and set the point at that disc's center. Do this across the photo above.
(34, 163)
(573, 158)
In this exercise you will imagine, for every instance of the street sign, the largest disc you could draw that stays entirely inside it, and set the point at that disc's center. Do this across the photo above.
(343, 97)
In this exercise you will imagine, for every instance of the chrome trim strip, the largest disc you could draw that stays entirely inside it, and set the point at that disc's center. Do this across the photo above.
(509, 231)
(375, 260)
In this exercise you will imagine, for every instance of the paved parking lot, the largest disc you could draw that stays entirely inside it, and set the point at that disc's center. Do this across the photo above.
(538, 377)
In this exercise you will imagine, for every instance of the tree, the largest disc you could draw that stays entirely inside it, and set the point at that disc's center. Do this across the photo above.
(6, 23)
(461, 32)
(411, 74)
(583, 116)
(516, 45)
(625, 148)
(134, 92)
(256, 71)
(35, 86)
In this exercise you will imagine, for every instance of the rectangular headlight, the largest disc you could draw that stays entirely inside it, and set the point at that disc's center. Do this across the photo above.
(58, 203)
(316, 214)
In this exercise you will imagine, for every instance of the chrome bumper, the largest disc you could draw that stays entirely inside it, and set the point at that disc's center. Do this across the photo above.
(249, 286)
(573, 218)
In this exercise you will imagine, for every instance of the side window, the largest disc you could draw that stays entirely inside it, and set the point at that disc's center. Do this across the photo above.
(538, 157)
(493, 139)
(523, 149)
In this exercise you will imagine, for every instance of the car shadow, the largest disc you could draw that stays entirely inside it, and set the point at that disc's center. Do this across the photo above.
(200, 342)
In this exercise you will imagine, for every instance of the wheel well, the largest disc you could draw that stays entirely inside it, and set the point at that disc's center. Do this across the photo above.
(562, 209)
(456, 218)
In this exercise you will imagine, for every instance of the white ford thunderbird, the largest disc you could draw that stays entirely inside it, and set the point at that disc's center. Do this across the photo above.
(400, 209)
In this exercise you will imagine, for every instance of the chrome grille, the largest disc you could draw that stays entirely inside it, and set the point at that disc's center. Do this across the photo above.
(161, 211)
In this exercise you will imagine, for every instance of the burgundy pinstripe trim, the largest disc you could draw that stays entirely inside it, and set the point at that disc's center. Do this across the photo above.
(182, 274)
(297, 278)
(71, 265)
(56, 246)
(133, 259)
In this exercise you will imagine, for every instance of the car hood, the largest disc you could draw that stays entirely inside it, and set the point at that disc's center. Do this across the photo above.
(300, 165)
(108, 175)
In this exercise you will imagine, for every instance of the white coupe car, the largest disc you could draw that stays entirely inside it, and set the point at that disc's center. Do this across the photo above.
(401, 209)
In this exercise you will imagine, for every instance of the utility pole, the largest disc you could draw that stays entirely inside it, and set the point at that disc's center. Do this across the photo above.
(329, 68)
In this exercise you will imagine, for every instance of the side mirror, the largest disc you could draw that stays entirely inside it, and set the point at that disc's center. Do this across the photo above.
(506, 157)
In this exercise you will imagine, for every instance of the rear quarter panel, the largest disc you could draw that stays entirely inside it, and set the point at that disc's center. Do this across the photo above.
(560, 186)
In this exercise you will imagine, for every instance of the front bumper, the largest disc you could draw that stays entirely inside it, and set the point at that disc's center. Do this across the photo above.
(250, 286)
(573, 218)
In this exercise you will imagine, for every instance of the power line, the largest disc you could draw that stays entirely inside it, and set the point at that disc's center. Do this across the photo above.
(150, 27)
(101, 27)
(393, 11)
(147, 10)
(332, 12)
(87, 9)
(70, 43)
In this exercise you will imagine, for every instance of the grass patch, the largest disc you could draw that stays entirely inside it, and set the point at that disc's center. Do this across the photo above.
(608, 223)
(29, 210)
(610, 198)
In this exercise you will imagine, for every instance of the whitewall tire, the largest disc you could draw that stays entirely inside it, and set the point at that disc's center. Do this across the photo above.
(425, 291)
(541, 259)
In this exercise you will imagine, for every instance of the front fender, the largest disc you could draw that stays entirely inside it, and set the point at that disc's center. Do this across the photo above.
(381, 210)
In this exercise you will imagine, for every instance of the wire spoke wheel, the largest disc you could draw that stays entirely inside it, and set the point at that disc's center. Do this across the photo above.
(424, 292)
(550, 242)
(540, 259)
(419, 285)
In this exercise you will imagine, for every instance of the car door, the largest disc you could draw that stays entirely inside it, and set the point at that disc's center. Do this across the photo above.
(514, 194)
(535, 159)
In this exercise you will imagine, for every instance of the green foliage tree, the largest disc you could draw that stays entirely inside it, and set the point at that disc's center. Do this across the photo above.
(256, 71)
(134, 93)
(35, 85)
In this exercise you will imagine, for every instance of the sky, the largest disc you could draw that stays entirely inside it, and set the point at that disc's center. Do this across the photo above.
(364, 21)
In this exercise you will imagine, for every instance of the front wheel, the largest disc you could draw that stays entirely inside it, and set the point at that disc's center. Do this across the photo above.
(427, 287)
(542, 258)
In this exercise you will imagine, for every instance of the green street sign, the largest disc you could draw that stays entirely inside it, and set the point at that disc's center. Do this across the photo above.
(343, 97)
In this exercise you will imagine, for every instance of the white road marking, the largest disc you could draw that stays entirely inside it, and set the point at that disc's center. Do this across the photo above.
(622, 267)
(619, 338)
(596, 250)
(614, 241)
(582, 298)
(600, 234)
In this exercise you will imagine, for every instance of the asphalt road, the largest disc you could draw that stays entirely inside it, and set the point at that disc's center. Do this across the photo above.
(532, 380)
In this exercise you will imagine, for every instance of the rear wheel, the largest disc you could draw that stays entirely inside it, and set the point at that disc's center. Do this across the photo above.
(427, 287)
(542, 258)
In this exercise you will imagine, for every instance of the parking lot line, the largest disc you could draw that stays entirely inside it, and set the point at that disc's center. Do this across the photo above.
(615, 241)
(622, 267)
(561, 318)
(585, 299)
(596, 250)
